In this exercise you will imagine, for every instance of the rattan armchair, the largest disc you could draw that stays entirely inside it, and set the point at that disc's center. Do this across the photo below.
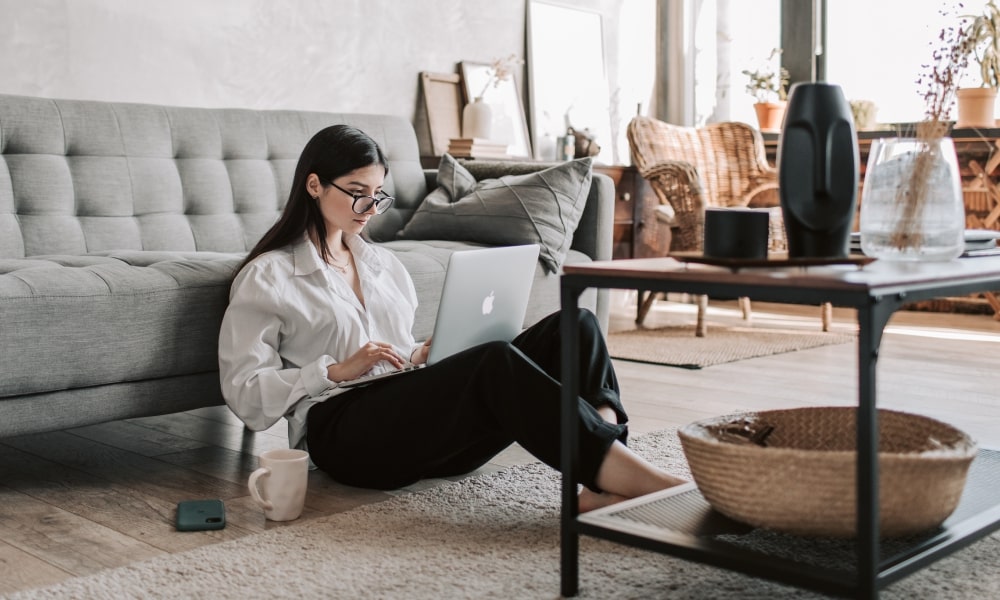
(690, 169)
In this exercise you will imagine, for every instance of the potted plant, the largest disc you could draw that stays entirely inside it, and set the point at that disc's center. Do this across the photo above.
(768, 84)
(864, 112)
(981, 40)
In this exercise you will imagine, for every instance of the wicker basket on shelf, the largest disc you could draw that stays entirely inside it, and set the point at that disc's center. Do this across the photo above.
(794, 470)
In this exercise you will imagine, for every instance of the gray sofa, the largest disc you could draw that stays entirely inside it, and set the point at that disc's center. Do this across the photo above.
(120, 227)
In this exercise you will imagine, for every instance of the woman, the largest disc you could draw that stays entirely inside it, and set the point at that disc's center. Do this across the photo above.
(314, 304)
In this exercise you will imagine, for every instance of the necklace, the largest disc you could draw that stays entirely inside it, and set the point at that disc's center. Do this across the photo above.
(342, 268)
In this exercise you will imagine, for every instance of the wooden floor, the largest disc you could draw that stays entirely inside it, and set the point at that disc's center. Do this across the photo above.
(79, 501)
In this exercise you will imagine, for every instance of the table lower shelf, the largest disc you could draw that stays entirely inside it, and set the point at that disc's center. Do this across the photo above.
(680, 521)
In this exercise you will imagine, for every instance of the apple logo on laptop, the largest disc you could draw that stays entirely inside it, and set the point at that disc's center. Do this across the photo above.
(488, 304)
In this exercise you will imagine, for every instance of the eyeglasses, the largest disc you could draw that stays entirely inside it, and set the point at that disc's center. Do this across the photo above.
(363, 204)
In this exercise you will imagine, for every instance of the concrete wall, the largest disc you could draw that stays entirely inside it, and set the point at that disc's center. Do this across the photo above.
(338, 55)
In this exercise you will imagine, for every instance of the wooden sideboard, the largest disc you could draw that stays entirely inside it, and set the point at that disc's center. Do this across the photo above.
(636, 233)
(978, 152)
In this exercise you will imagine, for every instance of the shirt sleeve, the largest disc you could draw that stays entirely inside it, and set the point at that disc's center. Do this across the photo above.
(255, 383)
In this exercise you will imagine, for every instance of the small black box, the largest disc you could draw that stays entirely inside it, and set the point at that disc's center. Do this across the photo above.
(736, 232)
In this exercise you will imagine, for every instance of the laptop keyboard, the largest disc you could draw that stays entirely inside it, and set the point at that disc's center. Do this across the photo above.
(366, 379)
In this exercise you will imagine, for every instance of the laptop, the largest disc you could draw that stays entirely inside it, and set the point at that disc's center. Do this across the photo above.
(484, 299)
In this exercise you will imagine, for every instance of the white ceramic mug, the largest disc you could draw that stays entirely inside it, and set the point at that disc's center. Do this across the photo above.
(279, 485)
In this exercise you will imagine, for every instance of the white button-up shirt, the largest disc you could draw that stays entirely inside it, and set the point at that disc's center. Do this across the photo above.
(291, 315)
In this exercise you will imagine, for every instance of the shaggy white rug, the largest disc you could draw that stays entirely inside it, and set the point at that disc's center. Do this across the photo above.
(492, 536)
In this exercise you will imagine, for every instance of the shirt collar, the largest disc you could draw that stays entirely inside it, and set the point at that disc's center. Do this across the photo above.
(307, 259)
(364, 252)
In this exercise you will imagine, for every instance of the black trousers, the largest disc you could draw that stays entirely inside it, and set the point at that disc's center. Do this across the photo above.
(454, 416)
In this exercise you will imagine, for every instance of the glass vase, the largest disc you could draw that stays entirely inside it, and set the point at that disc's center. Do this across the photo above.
(911, 204)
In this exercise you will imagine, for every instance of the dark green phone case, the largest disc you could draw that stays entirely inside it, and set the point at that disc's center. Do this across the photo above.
(199, 515)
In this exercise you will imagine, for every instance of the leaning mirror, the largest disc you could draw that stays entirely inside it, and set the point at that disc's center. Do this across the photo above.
(568, 82)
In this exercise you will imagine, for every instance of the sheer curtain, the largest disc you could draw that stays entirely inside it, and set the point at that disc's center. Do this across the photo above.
(704, 47)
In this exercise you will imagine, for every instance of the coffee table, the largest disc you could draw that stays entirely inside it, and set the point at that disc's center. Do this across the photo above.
(680, 522)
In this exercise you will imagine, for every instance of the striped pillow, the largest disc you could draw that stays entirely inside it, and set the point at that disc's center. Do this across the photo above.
(542, 208)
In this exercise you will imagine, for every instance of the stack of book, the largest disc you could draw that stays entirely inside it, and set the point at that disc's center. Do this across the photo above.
(981, 242)
(476, 148)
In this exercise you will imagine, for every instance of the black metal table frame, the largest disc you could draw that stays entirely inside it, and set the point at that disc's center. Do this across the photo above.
(874, 308)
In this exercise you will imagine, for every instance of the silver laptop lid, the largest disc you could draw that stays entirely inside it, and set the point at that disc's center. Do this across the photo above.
(484, 299)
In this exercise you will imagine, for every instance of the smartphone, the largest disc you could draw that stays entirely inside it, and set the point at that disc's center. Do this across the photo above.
(200, 515)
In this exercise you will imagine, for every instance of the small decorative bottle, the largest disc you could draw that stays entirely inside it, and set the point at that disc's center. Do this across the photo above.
(567, 146)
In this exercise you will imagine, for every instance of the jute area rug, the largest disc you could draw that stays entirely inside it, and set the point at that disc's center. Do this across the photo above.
(677, 346)
(492, 536)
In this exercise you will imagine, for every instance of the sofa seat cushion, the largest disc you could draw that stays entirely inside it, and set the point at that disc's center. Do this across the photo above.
(70, 326)
(80, 321)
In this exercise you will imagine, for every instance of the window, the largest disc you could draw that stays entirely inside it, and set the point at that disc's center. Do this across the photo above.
(875, 51)
(730, 37)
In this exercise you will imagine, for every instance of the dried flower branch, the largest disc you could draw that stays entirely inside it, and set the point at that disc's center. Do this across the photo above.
(940, 81)
(501, 70)
(940, 84)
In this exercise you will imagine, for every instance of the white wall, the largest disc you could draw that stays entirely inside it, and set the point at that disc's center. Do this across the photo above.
(330, 55)
(340, 55)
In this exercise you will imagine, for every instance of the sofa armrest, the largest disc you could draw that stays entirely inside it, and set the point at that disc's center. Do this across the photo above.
(595, 232)
(431, 178)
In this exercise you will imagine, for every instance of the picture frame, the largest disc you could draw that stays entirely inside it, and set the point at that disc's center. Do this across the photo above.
(509, 121)
(443, 101)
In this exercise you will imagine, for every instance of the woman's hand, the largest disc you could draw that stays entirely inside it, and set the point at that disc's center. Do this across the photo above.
(364, 359)
(419, 355)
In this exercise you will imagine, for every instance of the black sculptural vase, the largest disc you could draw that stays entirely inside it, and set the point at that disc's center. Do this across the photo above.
(818, 170)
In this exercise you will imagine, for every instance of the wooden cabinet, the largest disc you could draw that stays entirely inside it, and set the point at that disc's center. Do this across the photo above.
(636, 233)
(978, 162)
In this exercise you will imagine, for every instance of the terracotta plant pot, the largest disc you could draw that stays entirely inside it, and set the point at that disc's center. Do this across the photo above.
(975, 107)
(770, 115)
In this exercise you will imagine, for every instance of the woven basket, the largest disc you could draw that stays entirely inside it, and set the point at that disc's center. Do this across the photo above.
(802, 479)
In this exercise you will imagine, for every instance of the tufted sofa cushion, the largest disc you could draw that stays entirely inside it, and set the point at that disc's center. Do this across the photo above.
(79, 177)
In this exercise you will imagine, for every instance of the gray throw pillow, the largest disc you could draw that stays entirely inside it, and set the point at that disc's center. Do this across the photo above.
(542, 208)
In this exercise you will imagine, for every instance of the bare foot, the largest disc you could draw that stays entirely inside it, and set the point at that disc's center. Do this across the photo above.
(589, 500)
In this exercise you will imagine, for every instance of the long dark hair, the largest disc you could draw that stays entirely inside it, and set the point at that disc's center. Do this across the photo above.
(331, 153)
